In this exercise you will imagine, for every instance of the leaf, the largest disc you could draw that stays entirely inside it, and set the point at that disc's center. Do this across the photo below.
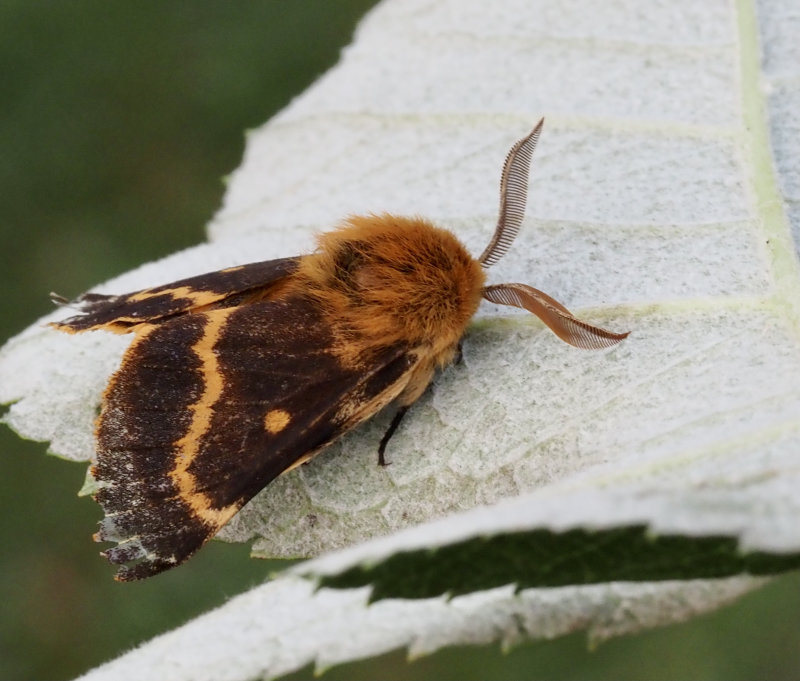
(655, 206)
(284, 625)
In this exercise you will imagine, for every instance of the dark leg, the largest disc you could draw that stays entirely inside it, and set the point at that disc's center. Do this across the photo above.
(459, 354)
(401, 412)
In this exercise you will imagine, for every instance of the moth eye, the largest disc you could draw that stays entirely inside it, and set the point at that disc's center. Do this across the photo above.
(276, 420)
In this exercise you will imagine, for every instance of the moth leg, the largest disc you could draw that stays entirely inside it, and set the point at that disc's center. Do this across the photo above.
(459, 357)
(401, 412)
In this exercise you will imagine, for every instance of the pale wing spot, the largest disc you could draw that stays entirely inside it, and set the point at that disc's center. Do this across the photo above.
(276, 420)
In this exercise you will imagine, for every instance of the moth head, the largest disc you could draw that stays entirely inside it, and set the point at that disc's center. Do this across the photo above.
(513, 197)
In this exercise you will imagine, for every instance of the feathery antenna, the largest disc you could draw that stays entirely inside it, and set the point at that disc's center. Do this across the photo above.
(558, 318)
(513, 197)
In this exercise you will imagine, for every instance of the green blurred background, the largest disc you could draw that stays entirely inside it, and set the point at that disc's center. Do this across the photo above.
(117, 122)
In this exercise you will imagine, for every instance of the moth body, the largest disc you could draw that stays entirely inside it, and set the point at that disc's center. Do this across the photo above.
(238, 376)
(383, 279)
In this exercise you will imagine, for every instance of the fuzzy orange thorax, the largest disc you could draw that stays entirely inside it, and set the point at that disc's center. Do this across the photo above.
(392, 279)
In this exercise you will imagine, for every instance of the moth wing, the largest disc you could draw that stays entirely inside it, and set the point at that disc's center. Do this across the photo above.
(223, 288)
(208, 408)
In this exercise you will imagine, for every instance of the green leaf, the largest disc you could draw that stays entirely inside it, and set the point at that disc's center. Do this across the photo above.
(540, 558)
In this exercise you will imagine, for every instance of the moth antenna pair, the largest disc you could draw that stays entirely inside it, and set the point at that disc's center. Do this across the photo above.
(513, 198)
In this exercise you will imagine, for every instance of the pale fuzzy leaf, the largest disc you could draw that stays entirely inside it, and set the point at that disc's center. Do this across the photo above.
(287, 624)
(654, 207)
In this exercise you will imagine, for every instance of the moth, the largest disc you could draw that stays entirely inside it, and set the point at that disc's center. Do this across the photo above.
(238, 376)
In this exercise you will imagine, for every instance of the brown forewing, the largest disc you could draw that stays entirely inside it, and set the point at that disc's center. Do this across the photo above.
(208, 408)
(223, 288)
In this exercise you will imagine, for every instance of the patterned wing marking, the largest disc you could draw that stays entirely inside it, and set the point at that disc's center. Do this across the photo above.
(208, 408)
(223, 288)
